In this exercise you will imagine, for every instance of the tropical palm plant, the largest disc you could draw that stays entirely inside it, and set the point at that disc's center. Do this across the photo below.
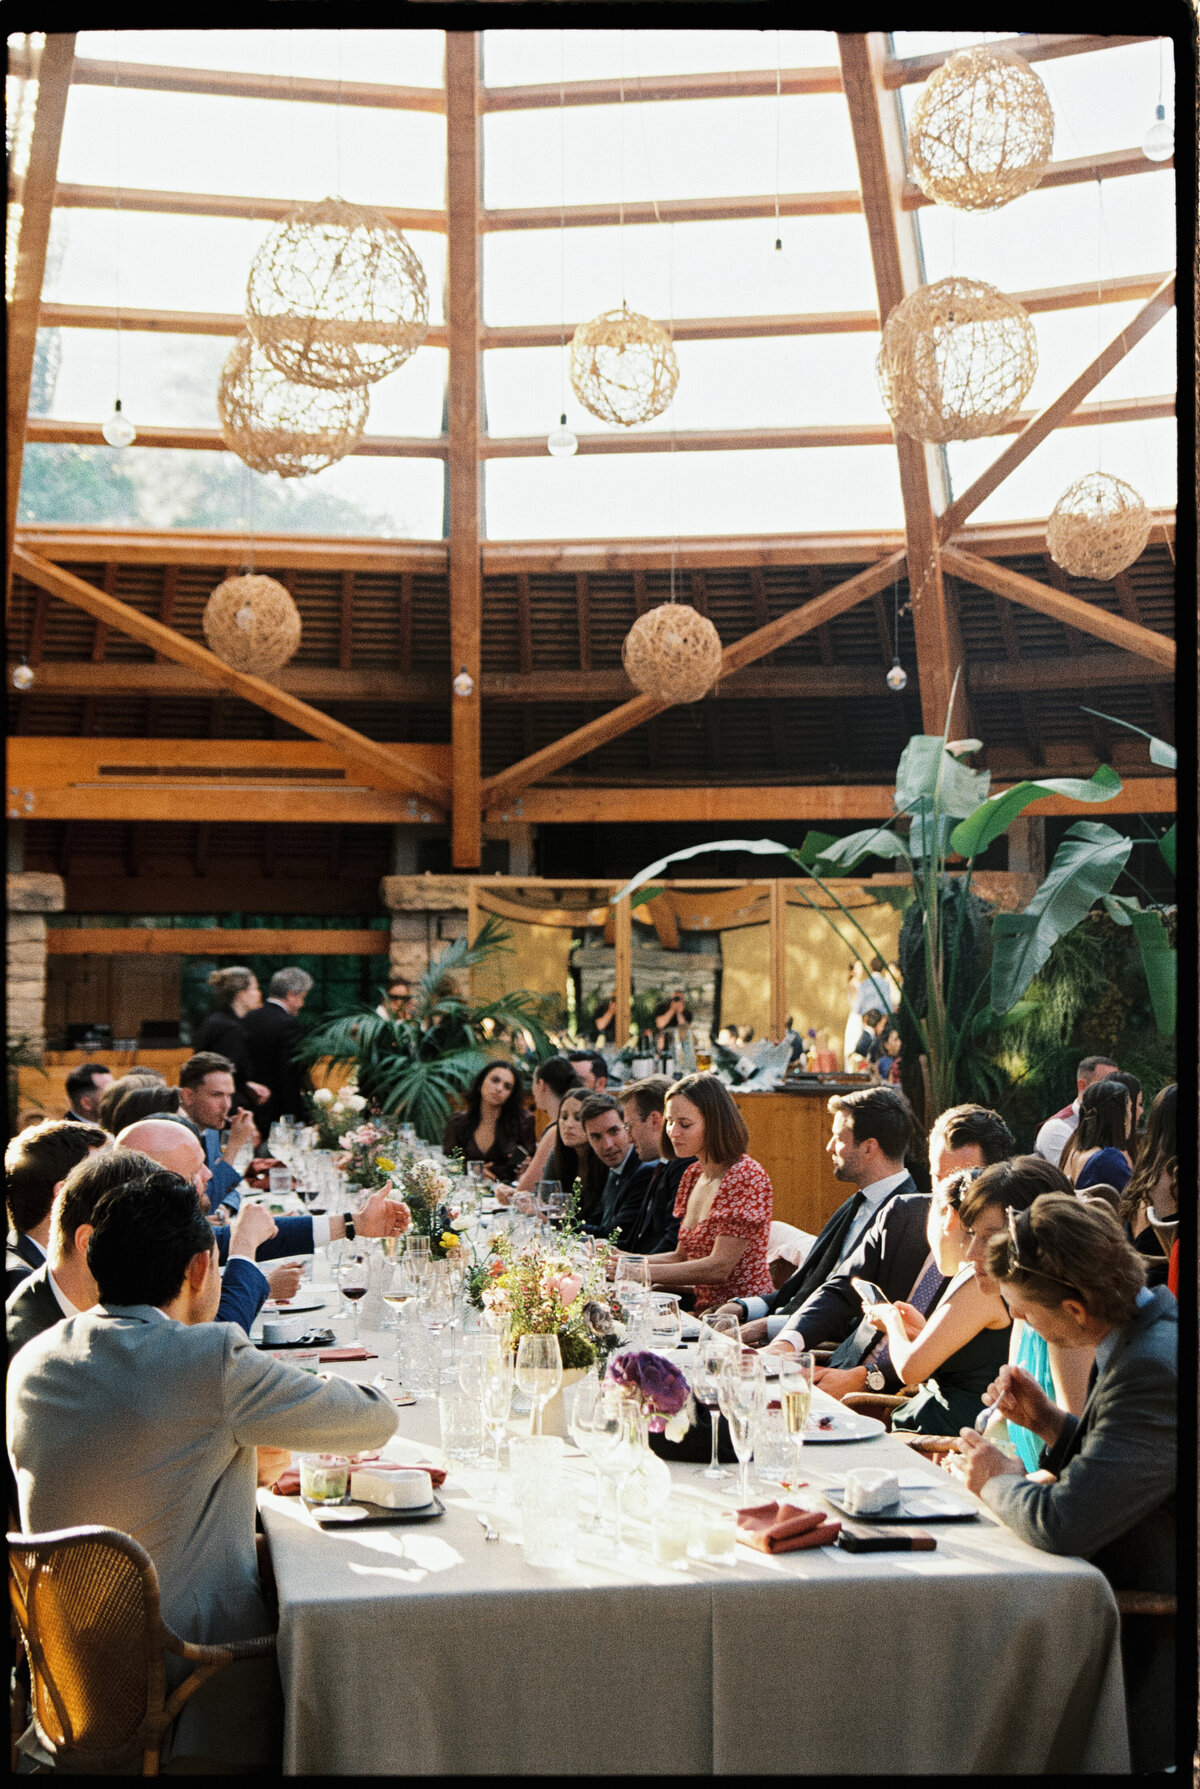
(416, 1068)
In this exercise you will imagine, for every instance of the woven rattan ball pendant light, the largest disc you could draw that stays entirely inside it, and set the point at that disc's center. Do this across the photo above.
(956, 360)
(336, 297)
(672, 653)
(623, 367)
(252, 623)
(982, 130)
(1098, 527)
(275, 425)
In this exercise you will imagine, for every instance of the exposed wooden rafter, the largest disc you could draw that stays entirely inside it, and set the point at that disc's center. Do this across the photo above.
(902, 71)
(1070, 610)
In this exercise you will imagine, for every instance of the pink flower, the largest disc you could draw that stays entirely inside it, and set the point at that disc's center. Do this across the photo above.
(564, 1286)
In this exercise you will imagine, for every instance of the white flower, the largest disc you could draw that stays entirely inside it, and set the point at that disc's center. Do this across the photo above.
(677, 1426)
(461, 1224)
(322, 1097)
(356, 1102)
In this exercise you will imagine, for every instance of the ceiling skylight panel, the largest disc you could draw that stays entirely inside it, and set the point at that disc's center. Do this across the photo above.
(1142, 453)
(519, 58)
(402, 57)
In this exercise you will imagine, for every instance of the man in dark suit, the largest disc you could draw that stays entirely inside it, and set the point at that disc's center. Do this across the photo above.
(271, 1034)
(85, 1084)
(36, 1163)
(646, 1215)
(628, 1176)
(206, 1094)
(1106, 1487)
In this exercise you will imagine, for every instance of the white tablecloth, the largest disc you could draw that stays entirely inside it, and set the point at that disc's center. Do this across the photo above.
(423, 1649)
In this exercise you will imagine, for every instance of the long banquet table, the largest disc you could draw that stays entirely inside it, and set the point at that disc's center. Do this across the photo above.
(423, 1649)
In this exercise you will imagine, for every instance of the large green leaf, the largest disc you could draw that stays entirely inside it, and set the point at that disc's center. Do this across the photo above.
(976, 832)
(814, 844)
(929, 834)
(1158, 960)
(1085, 866)
(1167, 846)
(927, 770)
(843, 855)
(1122, 908)
(759, 847)
(1160, 752)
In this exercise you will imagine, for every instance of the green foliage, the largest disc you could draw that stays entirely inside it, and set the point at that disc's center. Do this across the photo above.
(23, 1052)
(1085, 866)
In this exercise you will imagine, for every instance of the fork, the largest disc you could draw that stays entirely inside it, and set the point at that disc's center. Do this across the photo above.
(489, 1533)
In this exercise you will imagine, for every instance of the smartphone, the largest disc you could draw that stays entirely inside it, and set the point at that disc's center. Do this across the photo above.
(869, 1292)
(858, 1539)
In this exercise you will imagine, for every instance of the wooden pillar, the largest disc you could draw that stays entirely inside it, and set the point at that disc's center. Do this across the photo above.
(472, 912)
(463, 470)
(623, 940)
(777, 935)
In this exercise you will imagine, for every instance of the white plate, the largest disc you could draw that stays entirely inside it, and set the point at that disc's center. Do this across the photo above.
(294, 1306)
(848, 1425)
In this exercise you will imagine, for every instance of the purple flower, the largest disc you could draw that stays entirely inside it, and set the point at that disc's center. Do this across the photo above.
(656, 1382)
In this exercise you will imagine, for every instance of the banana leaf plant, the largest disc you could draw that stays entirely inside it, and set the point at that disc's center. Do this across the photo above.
(947, 809)
(417, 1068)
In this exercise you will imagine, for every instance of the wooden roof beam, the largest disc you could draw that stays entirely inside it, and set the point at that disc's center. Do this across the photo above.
(651, 89)
(902, 71)
(231, 83)
(1064, 407)
(381, 763)
(1069, 610)
(501, 789)
(387, 447)
(134, 198)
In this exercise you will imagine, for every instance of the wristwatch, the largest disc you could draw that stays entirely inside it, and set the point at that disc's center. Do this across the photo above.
(875, 1379)
(350, 1230)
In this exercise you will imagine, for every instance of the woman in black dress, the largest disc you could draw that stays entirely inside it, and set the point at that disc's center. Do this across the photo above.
(495, 1129)
(235, 991)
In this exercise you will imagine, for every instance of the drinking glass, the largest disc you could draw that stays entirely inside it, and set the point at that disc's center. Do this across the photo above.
(773, 1456)
(461, 1427)
(416, 1250)
(539, 1373)
(795, 1393)
(547, 1192)
(436, 1302)
(712, 1351)
(741, 1394)
(352, 1278)
(666, 1321)
(618, 1450)
(495, 1395)
(583, 1400)
(279, 1180)
(477, 1348)
(631, 1284)
(399, 1288)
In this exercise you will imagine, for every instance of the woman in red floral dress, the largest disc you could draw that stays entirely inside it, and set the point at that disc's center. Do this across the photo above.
(723, 1202)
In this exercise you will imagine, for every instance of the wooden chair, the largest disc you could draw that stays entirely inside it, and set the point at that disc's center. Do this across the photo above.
(879, 1404)
(87, 1607)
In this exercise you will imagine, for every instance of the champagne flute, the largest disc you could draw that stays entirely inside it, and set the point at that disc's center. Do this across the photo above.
(584, 1400)
(539, 1373)
(706, 1376)
(617, 1454)
(352, 1276)
(741, 1394)
(795, 1392)
(495, 1395)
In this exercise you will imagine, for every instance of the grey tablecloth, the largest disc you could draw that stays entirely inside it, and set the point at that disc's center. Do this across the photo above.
(424, 1650)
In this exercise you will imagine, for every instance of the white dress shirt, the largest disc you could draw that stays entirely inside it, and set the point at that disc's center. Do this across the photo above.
(1053, 1136)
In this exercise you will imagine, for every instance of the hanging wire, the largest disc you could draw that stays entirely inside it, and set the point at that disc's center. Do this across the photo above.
(117, 216)
(338, 116)
(778, 129)
(621, 175)
(562, 222)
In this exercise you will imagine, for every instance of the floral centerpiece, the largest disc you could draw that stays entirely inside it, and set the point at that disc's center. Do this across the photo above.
(539, 1289)
(332, 1113)
(660, 1390)
(427, 1189)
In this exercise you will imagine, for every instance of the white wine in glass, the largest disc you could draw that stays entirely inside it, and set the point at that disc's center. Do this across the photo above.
(795, 1392)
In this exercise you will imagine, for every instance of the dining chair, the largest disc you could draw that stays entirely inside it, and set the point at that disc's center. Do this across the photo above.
(87, 1608)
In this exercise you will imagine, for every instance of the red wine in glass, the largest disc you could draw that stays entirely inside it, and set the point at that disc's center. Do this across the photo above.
(354, 1290)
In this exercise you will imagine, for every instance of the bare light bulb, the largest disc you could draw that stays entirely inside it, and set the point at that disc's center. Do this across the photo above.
(778, 266)
(118, 431)
(22, 676)
(464, 683)
(1158, 144)
(897, 677)
(561, 442)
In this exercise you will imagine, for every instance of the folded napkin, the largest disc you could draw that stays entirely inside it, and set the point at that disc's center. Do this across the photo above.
(350, 1353)
(288, 1483)
(782, 1528)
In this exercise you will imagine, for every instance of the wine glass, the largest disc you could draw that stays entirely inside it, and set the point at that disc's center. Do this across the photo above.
(617, 1448)
(539, 1373)
(479, 1347)
(352, 1277)
(711, 1353)
(741, 1394)
(399, 1287)
(495, 1394)
(436, 1303)
(666, 1320)
(795, 1392)
(549, 1199)
(583, 1401)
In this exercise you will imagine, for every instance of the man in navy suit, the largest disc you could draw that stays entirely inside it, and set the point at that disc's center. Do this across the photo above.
(36, 1162)
(206, 1094)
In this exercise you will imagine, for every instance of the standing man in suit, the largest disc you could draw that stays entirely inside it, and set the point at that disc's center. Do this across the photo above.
(1106, 1487)
(144, 1415)
(85, 1084)
(36, 1163)
(271, 1034)
(206, 1094)
(872, 1129)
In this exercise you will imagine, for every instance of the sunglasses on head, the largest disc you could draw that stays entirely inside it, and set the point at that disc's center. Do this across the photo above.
(1014, 1253)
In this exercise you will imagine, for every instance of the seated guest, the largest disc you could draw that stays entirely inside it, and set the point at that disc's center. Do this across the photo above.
(1056, 1130)
(646, 1215)
(144, 1415)
(1137, 1104)
(235, 993)
(591, 1068)
(573, 1158)
(626, 1176)
(36, 1163)
(495, 1129)
(1098, 1151)
(1152, 1190)
(884, 1054)
(983, 1211)
(271, 1034)
(133, 1098)
(723, 1203)
(872, 1128)
(1106, 1488)
(206, 1094)
(85, 1084)
(551, 1080)
(63, 1285)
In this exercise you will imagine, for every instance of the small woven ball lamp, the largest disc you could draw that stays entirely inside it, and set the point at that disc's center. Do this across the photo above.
(1098, 527)
(982, 130)
(672, 653)
(956, 360)
(623, 367)
(336, 297)
(275, 425)
(252, 623)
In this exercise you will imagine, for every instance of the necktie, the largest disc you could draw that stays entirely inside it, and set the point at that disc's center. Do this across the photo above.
(930, 1283)
(822, 1259)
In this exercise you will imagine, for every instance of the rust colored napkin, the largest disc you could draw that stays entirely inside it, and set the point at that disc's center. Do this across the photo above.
(352, 1353)
(288, 1483)
(782, 1528)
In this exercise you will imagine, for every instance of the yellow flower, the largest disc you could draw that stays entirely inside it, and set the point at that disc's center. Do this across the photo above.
(450, 1240)
(381, 1161)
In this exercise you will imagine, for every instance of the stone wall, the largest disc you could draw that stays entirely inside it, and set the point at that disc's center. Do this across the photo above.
(428, 912)
(31, 896)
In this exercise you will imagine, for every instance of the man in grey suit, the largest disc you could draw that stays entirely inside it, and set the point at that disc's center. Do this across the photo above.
(144, 1415)
(1106, 1488)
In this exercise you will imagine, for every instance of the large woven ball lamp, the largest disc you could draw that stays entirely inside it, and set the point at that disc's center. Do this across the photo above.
(956, 360)
(623, 367)
(336, 297)
(1098, 527)
(275, 425)
(981, 131)
(672, 653)
(252, 623)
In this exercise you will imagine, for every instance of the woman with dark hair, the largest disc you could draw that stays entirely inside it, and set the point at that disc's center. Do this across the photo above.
(495, 1129)
(1098, 1153)
(1152, 1191)
(551, 1080)
(572, 1157)
(131, 1099)
(723, 1203)
(1133, 1087)
(235, 993)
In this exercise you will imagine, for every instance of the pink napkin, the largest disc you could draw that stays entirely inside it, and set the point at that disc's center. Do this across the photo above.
(782, 1528)
(350, 1353)
(288, 1483)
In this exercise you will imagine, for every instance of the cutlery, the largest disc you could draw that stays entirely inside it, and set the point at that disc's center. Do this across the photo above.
(489, 1533)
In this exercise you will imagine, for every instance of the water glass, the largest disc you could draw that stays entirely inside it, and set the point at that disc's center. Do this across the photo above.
(279, 1180)
(549, 1510)
(774, 1459)
(325, 1478)
(462, 1427)
(741, 1394)
(666, 1320)
(671, 1534)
